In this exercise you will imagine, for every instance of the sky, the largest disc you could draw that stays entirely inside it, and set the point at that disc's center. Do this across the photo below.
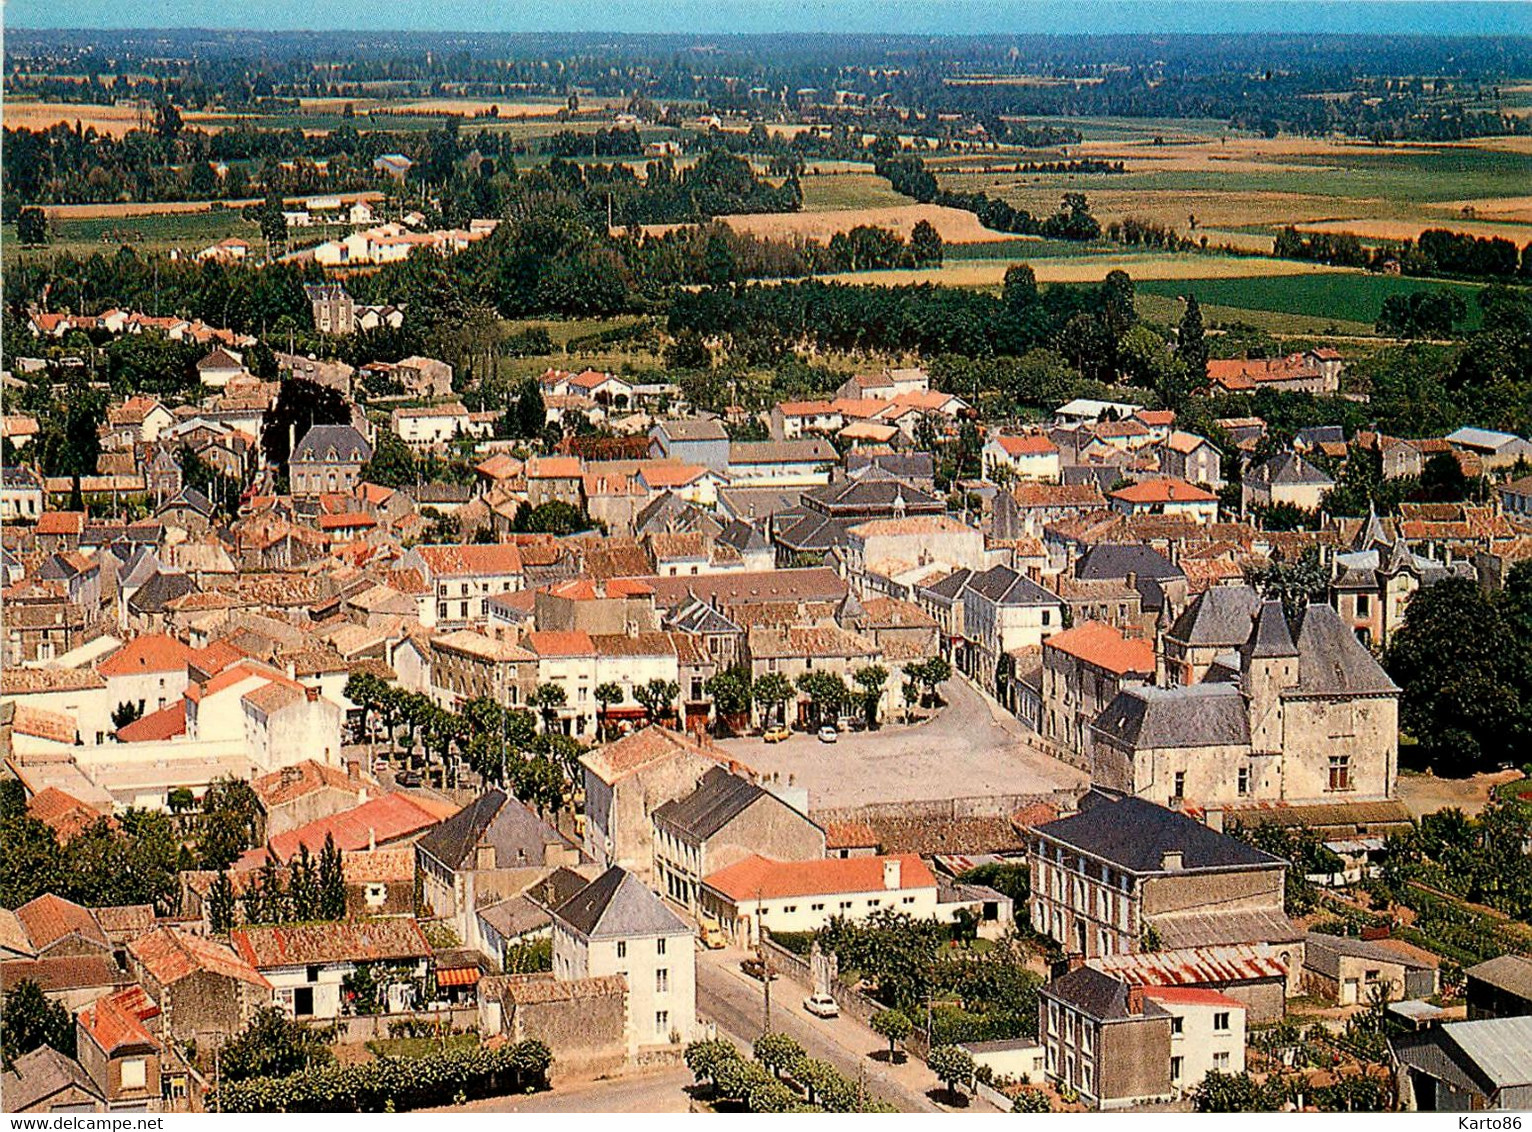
(917, 17)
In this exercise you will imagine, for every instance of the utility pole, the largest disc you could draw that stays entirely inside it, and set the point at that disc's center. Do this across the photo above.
(760, 955)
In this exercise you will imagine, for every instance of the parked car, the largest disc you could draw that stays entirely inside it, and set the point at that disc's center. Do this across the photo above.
(409, 779)
(710, 933)
(828, 734)
(822, 1006)
(777, 734)
(757, 969)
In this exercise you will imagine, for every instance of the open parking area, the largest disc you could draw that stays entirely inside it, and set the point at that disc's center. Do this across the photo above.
(965, 750)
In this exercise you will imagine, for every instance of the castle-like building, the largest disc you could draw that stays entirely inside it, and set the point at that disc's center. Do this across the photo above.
(1248, 708)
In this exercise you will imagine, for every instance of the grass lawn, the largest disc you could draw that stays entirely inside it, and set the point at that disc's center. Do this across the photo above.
(1345, 296)
(420, 1047)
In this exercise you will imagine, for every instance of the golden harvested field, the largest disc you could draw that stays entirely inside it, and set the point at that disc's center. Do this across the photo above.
(955, 225)
(112, 120)
(1509, 209)
(1411, 229)
(1091, 269)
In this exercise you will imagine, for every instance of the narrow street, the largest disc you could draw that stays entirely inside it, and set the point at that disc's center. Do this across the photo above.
(733, 1001)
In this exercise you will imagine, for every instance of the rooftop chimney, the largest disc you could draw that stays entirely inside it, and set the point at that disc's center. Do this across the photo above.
(353, 769)
(1135, 1000)
(1213, 819)
(891, 873)
(1170, 861)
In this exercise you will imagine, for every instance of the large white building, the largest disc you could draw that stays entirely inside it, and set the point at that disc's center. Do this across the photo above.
(802, 896)
(616, 926)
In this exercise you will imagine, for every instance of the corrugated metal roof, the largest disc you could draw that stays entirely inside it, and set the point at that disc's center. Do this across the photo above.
(1500, 1047)
(1192, 966)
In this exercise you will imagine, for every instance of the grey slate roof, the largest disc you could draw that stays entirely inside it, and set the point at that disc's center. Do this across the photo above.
(1118, 560)
(1135, 835)
(1511, 973)
(873, 493)
(1271, 636)
(917, 467)
(699, 618)
(1219, 617)
(349, 446)
(742, 537)
(43, 1073)
(1331, 661)
(1288, 468)
(616, 905)
(518, 835)
(806, 450)
(952, 586)
(159, 590)
(1323, 953)
(1097, 995)
(718, 799)
(668, 513)
(1005, 586)
(1200, 715)
(755, 503)
(693, 428)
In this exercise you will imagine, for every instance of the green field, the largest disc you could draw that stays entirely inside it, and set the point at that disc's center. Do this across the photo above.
(835, 191)
(1166, 310)
(1022, 250)
(1340, 297)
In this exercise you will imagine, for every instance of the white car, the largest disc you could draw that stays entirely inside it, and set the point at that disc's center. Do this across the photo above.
(828, 734)
(821, 1006)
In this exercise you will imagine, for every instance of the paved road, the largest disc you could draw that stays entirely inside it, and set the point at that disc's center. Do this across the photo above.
(662, 1091)
(971, 747)
(732, 1001)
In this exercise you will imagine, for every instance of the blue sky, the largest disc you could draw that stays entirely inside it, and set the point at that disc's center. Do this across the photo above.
(927, 17)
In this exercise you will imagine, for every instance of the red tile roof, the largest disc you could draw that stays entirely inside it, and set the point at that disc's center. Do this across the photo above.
(63, 813)
(1033, 444)
(115, 1023)
(153, 652)
(1166, 490)
(1192, 996)
(758, 876)
(548, 643)
(348, 941)
(1097, 643)
(454, 560)
(49, 918)
(293, 782)
(170, 956)
(377, 821)
(157, 726)
(60, 523)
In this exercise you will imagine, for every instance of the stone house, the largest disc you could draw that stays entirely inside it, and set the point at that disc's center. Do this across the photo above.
(1293, 720)
(296, 795)
(1124, 876)
(1107, 1041)
(757, 893)
(1499, 988)
(584, 1022)
(1003, 611)
(1287, 478)
(205, 991)
(793, 651)
(493, 848)
(626, 781)
(1192, 458)
(328, 459)
(1207, 1033)
(466, 665)
(692, 441)
(118, 1053)
(47, 1081)
(1083, 670)
(616, 926)
(307, 964)
(725, 819)
(1349, 972)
